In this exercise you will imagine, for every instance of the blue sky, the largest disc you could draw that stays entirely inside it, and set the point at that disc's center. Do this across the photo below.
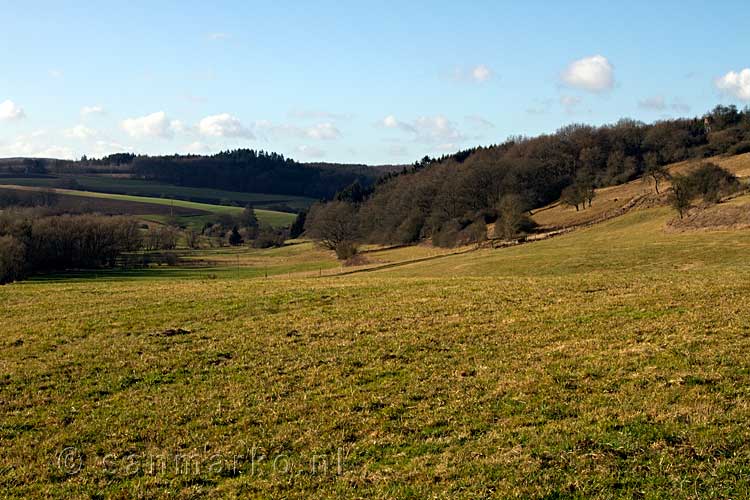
(369, 82)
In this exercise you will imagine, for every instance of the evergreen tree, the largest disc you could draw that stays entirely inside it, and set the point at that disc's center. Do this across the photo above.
(235, 238)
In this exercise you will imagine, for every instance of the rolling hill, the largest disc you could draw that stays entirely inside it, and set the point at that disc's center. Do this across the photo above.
(608, 359)
(155, 209)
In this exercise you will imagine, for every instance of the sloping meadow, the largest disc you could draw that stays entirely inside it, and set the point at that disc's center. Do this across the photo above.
(538, 372)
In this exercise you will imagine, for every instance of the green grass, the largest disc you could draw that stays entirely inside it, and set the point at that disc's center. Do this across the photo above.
(138, 187)
(608, 363)
(274, 218)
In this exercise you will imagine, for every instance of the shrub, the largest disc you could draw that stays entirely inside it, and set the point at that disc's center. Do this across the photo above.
(476, 232)
(741, 148)
(447, 235)
(268, 237)
(712, 182)
(681, 195)
(12, 259)
(346, 250)
(161, 238)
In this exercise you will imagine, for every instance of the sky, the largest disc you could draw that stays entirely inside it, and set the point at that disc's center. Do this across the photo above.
(383, 82)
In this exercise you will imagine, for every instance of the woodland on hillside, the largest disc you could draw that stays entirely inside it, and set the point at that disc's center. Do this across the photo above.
(243, 170)
(449, 199)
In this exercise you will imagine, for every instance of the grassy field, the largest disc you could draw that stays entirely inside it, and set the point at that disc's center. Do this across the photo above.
(136, 187)
(611, 362)
(202, 212)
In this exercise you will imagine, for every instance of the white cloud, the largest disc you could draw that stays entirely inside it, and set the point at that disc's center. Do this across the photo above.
(223, 125)
(80, 132)
(218, 36)
(594, 74)
(9, 110)
(479, 122)
(656, 103)
(197, 147)
(55, 73)
(436, 128)
(178, 127)
(23, 147)
(104, 148)
(736, 84)
(426, 129)
(391, 121)
(92, 110)
(481, 73)
(310, 151)
(153, 125)
(323, 131)
(660, 103)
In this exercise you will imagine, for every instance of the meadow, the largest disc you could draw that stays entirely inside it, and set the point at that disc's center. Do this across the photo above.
(189, 213)
(137, 187)
(611, 362)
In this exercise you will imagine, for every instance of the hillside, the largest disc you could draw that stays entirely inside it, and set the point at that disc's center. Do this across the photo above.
(562, 368)
(155, 209)
(614, 200)
(241, 170)
(135, 187)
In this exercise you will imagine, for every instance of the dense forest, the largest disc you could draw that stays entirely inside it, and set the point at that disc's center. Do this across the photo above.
(450, 198)
(244, 170)
(251, 171)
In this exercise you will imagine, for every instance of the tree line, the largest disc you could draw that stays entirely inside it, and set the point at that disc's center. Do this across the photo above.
(448, 199)
(31, 241)
(243, 170)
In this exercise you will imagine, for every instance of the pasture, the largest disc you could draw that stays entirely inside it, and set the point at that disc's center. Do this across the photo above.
(565, 368)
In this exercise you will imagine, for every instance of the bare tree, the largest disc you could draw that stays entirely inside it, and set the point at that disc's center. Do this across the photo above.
(654, 170)
(682, 194)
(192, 238)
(332, 224)
(511, 216)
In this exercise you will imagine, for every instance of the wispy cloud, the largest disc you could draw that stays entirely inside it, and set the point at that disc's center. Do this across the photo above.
(426, 129)
(92, 110)
(654, 103)
(218, 36)
(310, 151)
(320, 131)
(479, 122)
(81, 132)
(480, 73)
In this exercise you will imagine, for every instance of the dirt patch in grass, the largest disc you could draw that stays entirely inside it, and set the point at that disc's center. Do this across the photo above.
(173, 332)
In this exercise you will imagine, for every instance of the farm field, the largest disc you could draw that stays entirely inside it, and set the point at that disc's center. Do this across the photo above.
(136, 187)
(564, 368)
(187, 212)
